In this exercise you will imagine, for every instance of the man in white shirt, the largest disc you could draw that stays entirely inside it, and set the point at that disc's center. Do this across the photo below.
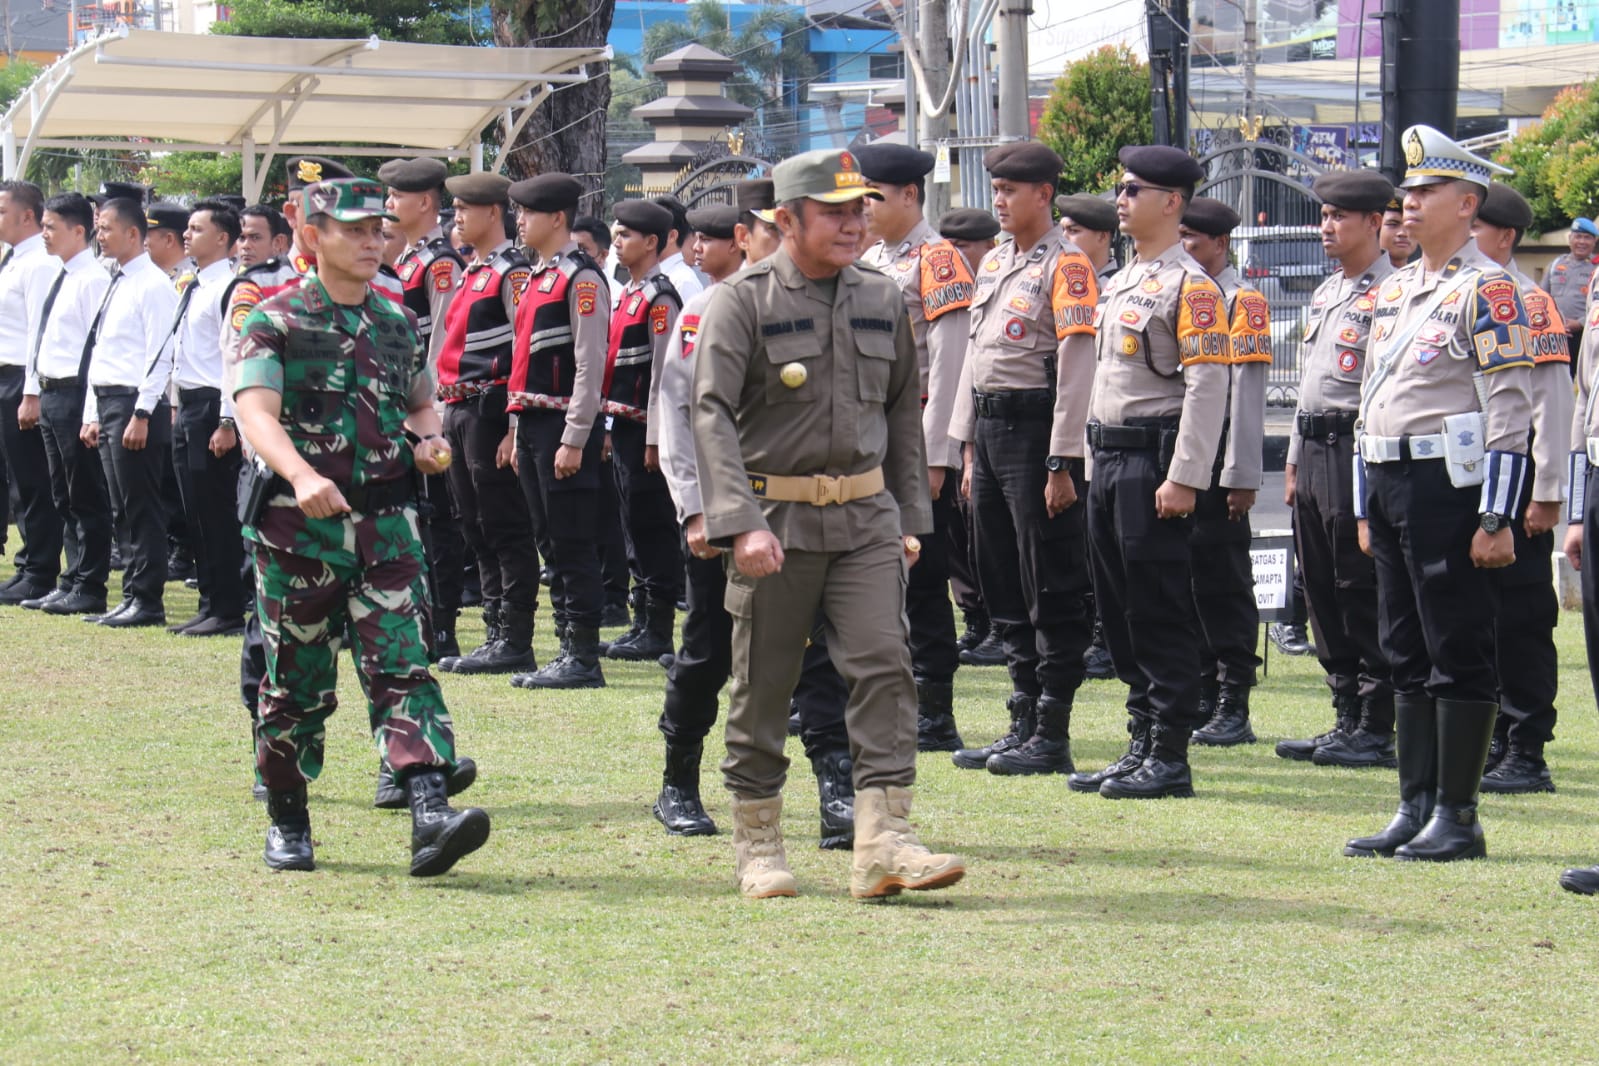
(686, 278)
(126, 413)
(53, 399)
(26, 274)
(205, 445)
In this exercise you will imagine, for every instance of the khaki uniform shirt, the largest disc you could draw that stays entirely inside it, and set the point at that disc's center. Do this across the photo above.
(857, 408)
(1567, 280)
(1479, 326)
(1249, 322)
(1165, 351)
(1550, 389)
(1585, 419)
(1332, 357)
(937, 286)
(672, 414)
(1033, 328)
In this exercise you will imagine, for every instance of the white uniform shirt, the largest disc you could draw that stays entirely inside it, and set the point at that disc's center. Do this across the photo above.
(23, 284)
(197, 353)
(685, 279)
(136, 328)
(63, 335)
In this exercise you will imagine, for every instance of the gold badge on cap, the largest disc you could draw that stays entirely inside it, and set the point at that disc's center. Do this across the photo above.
(309, 171)
(794, 375)
(1414, 153)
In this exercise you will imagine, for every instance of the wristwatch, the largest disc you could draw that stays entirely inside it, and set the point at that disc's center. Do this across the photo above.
(1055, 464)
(225, 423)
(1492, 523)
(141, 413)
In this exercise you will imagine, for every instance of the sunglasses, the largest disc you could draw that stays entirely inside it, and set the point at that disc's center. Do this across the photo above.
(1131, 189)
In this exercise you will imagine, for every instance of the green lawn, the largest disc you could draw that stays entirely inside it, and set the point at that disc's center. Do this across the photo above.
(142, 926)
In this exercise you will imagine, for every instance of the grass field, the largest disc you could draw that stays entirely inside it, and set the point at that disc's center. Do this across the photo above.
(141, 925)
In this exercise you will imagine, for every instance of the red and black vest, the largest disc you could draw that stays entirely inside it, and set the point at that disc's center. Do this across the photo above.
(544, 358)
(642, 314)
(423, 271)
(261, 282)
(477, 330)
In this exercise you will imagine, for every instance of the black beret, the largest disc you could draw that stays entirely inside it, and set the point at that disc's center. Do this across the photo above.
(549, 192)
(1210, 217)
(122, 190)
(643, 216)
(1023, 161)
(1089, 212)
(1354, 190)
(1505, 207)
(968, 224)
(234, 200)
(893, 164)
(1396, 205)
(716, 221)
(413, 175)
(480, 188)
(164, 214)
(757, 194)
(305, 169)
(1162, 164)
(679, 214)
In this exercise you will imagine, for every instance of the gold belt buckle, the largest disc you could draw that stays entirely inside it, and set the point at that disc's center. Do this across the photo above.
(829, 490)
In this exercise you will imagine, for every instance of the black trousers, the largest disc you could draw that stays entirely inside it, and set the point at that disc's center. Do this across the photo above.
(29, 468)
(209, 486)
(446, 549)
(1224, 591)
(705, 661)
(1143, 582)
(1524, 635)
(78, 488)
(610, 541)
(962, 564)
(1030, 566)
(1340, 580)
(1435, 610)
(567, 510)
(494, 518)
(934, 653)
(179, 542)
(647, 515)
(136, 487)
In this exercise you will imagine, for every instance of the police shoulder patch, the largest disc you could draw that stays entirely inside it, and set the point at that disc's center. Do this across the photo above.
(660, 319)
(517, 279)
(1202, 336)
(1500, 334)
(588, 297)
(443, 274)
(946, 282)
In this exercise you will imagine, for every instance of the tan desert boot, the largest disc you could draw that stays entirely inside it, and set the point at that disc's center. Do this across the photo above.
(888, 857)
(758, 848)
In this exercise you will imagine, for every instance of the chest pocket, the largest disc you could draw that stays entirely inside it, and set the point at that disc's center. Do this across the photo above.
(793, 364)
(394, 353)
(874, 365)
(317, 377)
(1351, 344)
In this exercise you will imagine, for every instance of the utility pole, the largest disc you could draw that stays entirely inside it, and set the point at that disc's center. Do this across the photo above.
(1168, 29)
(933, 41)
(1251, 130)
(1420, 72)
(1012, 35)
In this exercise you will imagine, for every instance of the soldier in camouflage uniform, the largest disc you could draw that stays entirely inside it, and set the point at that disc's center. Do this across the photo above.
(330, 376)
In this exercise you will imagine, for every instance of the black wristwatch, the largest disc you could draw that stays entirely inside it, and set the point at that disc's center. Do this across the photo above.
(141, 413)
(1055, 464)
(1492, 522)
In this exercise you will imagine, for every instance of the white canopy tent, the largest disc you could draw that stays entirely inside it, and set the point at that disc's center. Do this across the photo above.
(268, 96)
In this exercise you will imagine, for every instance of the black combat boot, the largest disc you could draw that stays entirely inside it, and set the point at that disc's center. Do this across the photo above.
(491, 639)
(1228, 726)
(1132, 759)
(1348, 709)
(1416, 745)
(1164, 771)
(678, 807)
(1499, 747)
(976, 630)
(445, 646)
(288, 838)
(391, 797)
(1096, 657)
(635, 606)
(1582, 879)
(1047, 751)
(577, 667)
(991, 652)
(650, 642)
(1369, 744)
(1521, 771)
(835, 790)
(440, 835)
(511, 654)
(1465, 728)
(1023, 722)
(935, 717)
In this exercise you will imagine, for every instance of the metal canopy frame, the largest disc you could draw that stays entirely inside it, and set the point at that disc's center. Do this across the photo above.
(265, 96)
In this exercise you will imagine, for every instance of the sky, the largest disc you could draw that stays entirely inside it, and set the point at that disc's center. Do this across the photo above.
(1064, 30)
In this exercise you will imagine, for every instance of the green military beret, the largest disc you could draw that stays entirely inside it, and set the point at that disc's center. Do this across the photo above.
(346, 200)
(480, 188)
(1089, 212)
(1210, 217)
(1355, 190)
(968, 224)
(413, 175)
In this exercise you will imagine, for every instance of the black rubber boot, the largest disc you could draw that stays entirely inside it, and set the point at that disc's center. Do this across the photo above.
(1096, 657)
(1047, 751)
(491, 639)
(1583, 880)
(835, 790)
(1163, 773)
(1369, 744)
(976, 630)
(1022, 724)
(1521, 771)
(1416, 745)
(652, 641)
(1132, 759)
(1347, 707)
(678, 807)
(991, 652)
(935, 717)
(391, 797)
(1465, 728)
(512, 653)
(288, 838)
(445, 646)
(440, 835)
(1228, 726)
(578, 667)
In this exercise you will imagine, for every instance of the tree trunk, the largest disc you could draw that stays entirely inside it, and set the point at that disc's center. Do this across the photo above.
(567, 132)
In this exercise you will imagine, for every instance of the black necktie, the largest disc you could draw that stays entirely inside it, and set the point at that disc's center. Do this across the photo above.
(5, 258)
(94, 329)
(44, 318)
(177, 324)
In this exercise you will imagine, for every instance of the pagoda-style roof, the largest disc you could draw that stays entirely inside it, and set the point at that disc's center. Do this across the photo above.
(697, 110)
(663, 153)
(694, 61)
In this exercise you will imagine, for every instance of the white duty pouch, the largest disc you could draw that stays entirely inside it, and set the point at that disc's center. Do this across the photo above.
(1465, 457)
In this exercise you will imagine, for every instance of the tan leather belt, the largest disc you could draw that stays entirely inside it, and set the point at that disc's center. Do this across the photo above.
(818, 490)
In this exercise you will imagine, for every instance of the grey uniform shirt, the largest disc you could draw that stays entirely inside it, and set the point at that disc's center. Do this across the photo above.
(1243, 465)
(1550, 389)
(1567, 280)
(1332, 356)
(672, 414)
(858, 407)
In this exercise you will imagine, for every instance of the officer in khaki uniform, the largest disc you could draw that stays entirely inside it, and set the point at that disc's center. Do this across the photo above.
(1340, 579)
(1155, 419)
(812, 471)
(1569, 278)
(1024, 395)
(1440, 456)
(937, 286)
(1529, 610)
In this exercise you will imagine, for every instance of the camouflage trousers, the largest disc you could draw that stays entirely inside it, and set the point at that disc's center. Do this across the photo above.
(306, 607)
